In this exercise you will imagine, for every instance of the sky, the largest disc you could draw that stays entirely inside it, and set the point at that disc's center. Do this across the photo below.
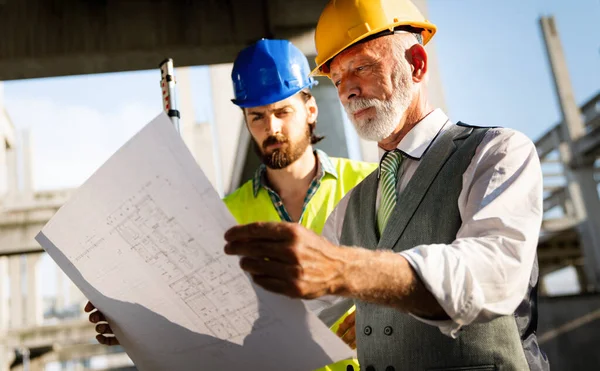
(492, 62)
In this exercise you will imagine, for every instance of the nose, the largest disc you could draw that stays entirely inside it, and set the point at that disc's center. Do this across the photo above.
(274, 124)
(348, 90)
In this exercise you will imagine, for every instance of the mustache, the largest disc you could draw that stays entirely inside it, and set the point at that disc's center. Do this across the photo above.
(274, 139)
(358, 104)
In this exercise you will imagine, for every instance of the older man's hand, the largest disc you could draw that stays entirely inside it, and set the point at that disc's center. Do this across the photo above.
(105, 334)
(288, 259)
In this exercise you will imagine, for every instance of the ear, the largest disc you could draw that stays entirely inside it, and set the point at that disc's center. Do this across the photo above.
(312, 109)
(418, 62)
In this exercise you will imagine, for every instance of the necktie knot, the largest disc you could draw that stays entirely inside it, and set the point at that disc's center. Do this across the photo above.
(387, 184)
(391, 162)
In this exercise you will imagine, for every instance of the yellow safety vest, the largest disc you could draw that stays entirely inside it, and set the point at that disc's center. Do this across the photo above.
(246, 207)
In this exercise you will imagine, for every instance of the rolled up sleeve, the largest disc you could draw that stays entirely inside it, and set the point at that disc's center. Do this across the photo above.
(484, 273)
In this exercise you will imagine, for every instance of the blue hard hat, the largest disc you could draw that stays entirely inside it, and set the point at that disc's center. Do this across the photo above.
(269, 71)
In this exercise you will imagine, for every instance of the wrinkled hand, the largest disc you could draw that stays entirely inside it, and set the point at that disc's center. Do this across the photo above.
(288, 259)
(347, 330)
(105, 334)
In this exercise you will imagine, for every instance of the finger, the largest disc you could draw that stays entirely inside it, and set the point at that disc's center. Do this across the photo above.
(89, 307)
(261, 230)
(277, 286)
(96, 317)
(350, 336)
(346, 324)
(104, 328)
(271, 268)
(110, 341)
(278, 251)
(353, 345)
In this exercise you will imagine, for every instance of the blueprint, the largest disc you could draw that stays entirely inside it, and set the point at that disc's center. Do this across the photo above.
(143, 240)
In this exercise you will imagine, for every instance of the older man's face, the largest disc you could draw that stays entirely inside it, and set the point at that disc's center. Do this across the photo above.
(374, 85)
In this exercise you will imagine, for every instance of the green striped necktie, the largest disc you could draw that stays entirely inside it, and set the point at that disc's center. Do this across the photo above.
(387, 184)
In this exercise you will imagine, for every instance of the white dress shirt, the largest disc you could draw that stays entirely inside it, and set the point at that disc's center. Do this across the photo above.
(484, 273)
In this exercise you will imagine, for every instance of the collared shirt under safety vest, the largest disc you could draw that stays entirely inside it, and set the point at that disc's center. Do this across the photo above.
(255, 201)
(324, 166)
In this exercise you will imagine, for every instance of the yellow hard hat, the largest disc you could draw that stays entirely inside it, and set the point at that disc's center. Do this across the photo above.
(343, 23)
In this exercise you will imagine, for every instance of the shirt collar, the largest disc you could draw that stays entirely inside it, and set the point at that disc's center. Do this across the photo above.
(421, 136)
(323, 162)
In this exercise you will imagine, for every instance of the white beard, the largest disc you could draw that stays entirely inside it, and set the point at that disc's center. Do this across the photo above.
(388, 113)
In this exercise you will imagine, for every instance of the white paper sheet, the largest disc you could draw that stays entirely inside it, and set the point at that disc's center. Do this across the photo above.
(143, 240)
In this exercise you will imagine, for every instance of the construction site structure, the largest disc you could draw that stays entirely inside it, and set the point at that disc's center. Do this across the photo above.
(36, 331)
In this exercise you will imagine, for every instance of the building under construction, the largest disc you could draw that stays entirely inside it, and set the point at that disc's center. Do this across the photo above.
(96, 37)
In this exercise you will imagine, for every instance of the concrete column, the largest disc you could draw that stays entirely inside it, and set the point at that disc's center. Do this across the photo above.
(7, 356)
(579, 172)
(582, 279)
(27, 148)
(7, 143)
(330, 122)
(34, 299)
(12, 172)
(3, 166)
(186, 106)
(76, 296)
(60, 290)
(228, 122)
(198, 137)
(204, 151)
(4, 277)
(436, 91)
(16, 291)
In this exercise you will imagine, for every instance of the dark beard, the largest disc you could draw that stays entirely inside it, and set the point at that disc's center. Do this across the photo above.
(281, 157)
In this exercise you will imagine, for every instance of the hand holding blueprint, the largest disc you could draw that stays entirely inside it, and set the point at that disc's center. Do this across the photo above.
(143, 240)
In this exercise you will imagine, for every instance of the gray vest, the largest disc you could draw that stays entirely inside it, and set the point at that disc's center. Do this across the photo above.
(427, 212)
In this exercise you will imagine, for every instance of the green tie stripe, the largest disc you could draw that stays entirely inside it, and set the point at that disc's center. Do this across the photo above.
(387, 183)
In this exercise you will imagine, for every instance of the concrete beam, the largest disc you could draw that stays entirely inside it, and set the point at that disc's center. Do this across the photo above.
(549, 141)
(70, 37)
(18, 230)
(588, 146)
(68, 332)
(556, 198)
(558, 224)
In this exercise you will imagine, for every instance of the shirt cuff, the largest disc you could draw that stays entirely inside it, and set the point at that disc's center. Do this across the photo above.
(450, 282)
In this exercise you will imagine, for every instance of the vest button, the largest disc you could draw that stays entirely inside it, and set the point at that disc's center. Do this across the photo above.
(390, 368)
(370, 368)
(388, 330)
(368, 330)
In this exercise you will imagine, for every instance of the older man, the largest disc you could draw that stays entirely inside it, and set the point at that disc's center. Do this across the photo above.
(437, 249)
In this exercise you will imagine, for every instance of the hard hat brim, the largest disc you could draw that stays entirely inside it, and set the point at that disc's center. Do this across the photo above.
(270, 99)
(429, 30)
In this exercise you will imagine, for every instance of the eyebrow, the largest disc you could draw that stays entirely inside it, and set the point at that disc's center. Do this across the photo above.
(360, 60)
(257, 113)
